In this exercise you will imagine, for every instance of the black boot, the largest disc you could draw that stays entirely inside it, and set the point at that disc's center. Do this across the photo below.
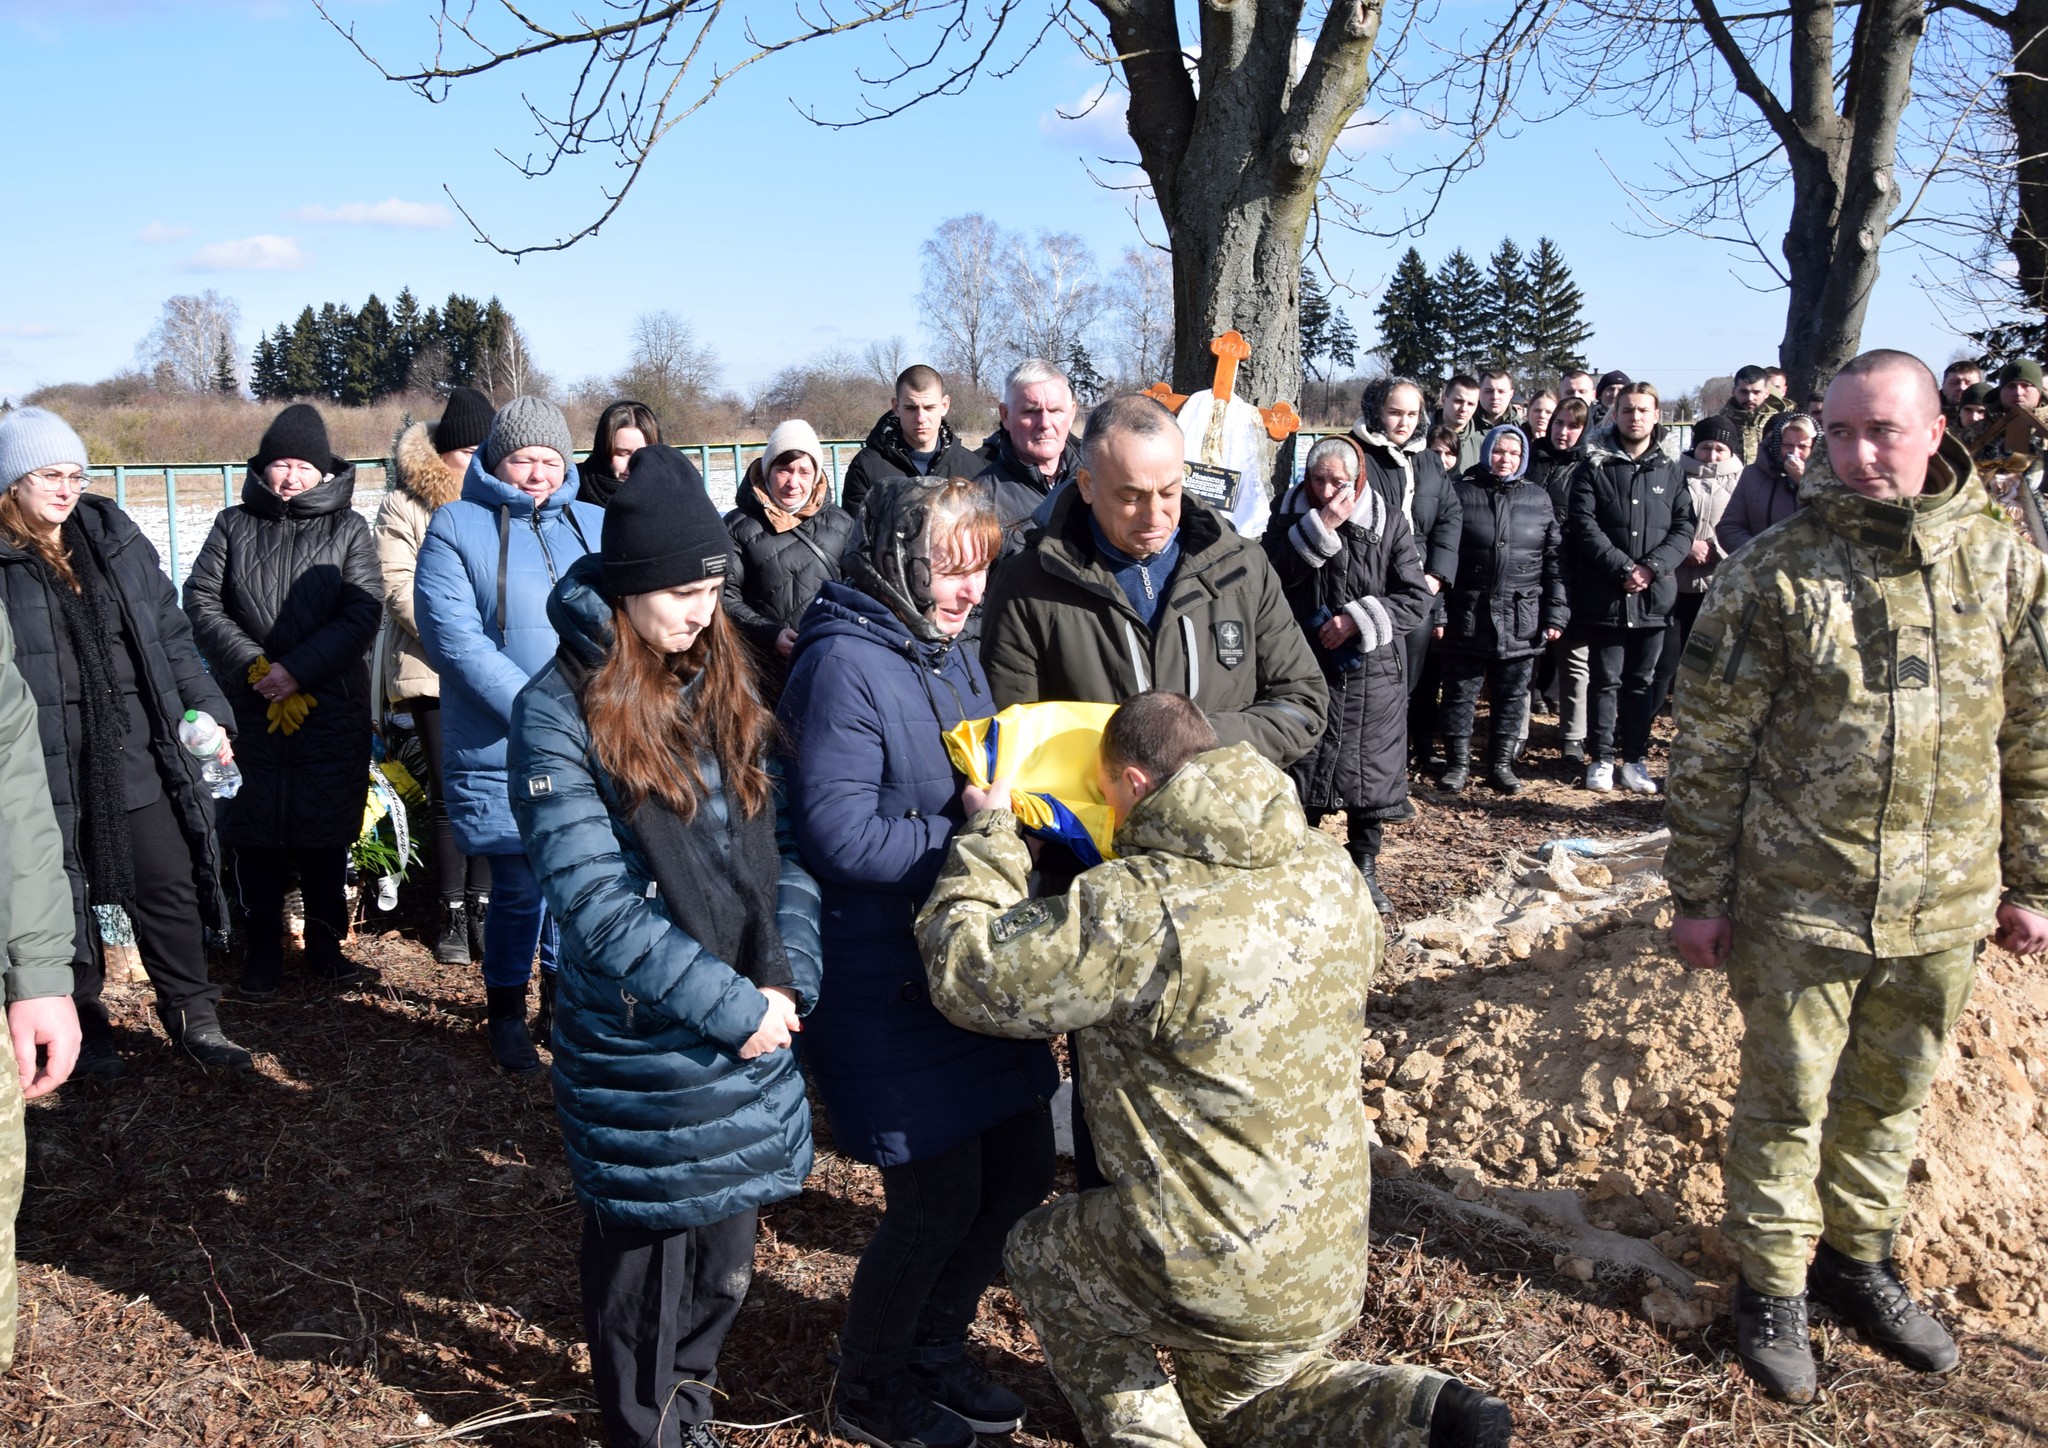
(262, 965)
(1464, 1417)
(1363, 845)
(325, 960)
(511, 1046)
(892, 1412)
(453, 946)
(97, 1056)
(477, 907)
(1500, 764)
(203, 1040)
(544, 1019)
(1458, 765)
(1773, 1345)
(1870, 1297)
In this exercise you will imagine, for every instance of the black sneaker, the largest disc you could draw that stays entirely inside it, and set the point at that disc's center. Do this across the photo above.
(1464, 1417)
(209, 1046)
(1773, 1344)
(98, 1059)
(891, 1413)
(699, 1435)
(1870, 1297)
(963, 1388)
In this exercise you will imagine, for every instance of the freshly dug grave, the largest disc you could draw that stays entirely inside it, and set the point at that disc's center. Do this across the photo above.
(1542, 1051)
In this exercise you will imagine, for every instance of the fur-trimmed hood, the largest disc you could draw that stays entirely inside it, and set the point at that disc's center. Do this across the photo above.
(418, 469)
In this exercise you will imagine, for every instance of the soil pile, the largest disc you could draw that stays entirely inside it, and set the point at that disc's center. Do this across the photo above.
(1542, 1050)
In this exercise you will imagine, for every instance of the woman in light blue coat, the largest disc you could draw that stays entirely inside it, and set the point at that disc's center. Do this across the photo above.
(480, 594)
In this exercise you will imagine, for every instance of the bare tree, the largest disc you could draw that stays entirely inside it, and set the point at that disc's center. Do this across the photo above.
(505, 368)
(1140, 297)
(669, 368)
(184, 347)
(885, 360)
(961, 298)
(1052, 297)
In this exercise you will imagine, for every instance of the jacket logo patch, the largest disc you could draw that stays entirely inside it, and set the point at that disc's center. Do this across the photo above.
(538, 785)
(1912, 670)
(1699, 652)
(1023, 919)
(1229, 642)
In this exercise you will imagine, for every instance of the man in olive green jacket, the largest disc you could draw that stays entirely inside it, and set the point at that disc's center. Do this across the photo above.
(1214, 976)
(35, 921)
(1858, 797)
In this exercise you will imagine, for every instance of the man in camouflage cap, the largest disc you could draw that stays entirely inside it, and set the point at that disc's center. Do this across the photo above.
(1858, 797)
(1214, 976)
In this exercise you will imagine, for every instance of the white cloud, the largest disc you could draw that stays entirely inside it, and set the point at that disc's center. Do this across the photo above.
(158, 234)
(251, 253)
(416, 215)
(27, 329)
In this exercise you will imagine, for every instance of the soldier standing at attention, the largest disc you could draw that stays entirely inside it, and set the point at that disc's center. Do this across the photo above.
(1858, 797)
(1214, 975)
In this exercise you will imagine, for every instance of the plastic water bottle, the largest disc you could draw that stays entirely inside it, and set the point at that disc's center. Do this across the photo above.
(206, 739)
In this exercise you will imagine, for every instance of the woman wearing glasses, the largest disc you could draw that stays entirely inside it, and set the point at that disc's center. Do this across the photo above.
(110, 661)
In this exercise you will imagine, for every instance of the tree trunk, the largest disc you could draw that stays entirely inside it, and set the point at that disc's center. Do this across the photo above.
(1235, 167)
(2026, 106)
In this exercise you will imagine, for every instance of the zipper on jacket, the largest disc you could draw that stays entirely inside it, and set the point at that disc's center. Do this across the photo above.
(1137, 658)
(547, 556)
(631, 1001)
(1187, 634)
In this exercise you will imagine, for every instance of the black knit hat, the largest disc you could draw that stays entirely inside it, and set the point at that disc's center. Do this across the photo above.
(297, 432)
(1610, 379)
(661, 529)
(1978, 394)
(1717, 429)
(465, 422)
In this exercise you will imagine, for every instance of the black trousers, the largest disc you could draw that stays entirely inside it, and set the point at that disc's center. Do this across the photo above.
(656, 1309)
(263, 877)
(455, 874)
(1677, 629)
(1624, 675)
(1425, 686)
(940, 1244)
(169, 933)
(1464, 674)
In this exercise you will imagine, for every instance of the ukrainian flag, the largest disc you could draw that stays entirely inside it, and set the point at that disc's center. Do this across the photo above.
(1049, 752)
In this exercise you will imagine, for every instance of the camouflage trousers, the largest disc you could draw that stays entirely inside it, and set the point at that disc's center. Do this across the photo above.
(13, 1169)
(1102, 1350)
(1839, 1050)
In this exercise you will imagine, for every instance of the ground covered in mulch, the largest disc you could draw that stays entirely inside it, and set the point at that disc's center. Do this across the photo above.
(371, 1240)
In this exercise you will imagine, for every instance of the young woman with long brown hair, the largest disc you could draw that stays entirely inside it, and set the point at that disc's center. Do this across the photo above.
(642, 789)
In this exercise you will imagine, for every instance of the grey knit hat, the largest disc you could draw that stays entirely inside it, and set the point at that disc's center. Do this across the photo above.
(527, 422)
(32, 438)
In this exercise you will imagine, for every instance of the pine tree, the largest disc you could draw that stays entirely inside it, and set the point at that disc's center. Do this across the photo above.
(1462, 304)
(303, 358)
(1556, 333)
(224, 379)
(1411, 323)
(364, 363)
(462, 336)
(1087, 382)
(1507, 304)
(263, 369)
(408, 335)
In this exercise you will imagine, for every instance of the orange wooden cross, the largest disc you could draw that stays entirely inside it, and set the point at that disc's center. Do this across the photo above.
(1229, 350)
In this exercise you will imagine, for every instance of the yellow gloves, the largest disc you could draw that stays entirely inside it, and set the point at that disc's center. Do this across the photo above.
(287, 713)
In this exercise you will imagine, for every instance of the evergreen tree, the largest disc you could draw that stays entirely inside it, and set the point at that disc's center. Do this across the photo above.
(1088, 384)
(1507, 304)
(1556, 333)
(1462, 305)
(1411, 323)
(263, 370)
(224, 380)
(462, 337)
(302, 358)
(364, 359)
(408, 335)
(1326, 333)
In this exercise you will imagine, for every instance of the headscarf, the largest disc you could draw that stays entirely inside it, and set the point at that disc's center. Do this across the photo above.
(895, 564)
(1486, 452)
(1771, 450)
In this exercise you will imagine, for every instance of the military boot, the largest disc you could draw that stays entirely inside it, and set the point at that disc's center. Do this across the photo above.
(453, 946)
(1772, 1344)
(477, 907)
(1500, 764)
(1870, 1297)
(1464, 1417)
(1457, 765)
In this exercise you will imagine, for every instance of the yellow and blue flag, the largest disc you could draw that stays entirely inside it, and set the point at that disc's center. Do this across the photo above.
(1049, 752)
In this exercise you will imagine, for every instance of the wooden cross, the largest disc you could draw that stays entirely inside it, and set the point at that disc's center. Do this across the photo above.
(1229, 350)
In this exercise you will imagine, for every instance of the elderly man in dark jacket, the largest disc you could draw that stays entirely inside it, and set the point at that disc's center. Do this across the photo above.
(1631, 525)
(1032, 454)
(911, 440)
(1132, 586)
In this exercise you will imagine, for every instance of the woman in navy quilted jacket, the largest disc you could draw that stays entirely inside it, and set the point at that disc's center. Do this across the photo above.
(956, 1121)
(642, 787)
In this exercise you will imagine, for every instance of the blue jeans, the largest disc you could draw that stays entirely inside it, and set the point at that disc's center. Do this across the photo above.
(516, 923)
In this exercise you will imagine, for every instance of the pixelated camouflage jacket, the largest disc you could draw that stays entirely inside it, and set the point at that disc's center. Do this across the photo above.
(1215, 976)
(1862, 752)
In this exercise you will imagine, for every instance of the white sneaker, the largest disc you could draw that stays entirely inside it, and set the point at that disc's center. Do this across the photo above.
(1600, 775)
(1635, 775)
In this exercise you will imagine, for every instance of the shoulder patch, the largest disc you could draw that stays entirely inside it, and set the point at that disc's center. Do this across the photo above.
(1700, 651)
(1023, 919)
(538, 785)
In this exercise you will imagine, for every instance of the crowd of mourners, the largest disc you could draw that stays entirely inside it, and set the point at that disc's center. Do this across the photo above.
(692, 772)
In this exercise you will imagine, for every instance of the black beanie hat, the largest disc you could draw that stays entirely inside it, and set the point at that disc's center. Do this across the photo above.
(1717, 429)
(297, 432)
(465, 422)
(1609, 379)
(661, 529)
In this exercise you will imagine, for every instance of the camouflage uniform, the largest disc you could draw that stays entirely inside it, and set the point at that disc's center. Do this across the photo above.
(1860, 776)
(1215, 976)
(1752, 423)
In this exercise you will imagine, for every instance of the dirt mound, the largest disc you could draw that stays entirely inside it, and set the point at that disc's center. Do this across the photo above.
(1542, 1051)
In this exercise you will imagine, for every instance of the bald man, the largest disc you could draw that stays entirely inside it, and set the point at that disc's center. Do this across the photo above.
(1858, 798)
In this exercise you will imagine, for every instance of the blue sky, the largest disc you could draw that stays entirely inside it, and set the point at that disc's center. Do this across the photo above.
(245, 147)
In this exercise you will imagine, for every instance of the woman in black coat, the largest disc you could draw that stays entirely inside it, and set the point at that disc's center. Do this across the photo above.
(789, 540)
(109, 660)
(1563, 673)
(1348, 564)
(1508, 602)
(285, 598)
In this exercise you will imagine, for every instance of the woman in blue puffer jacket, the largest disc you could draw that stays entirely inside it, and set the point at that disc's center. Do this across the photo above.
(956, 1121)
(645, 800)
(480, 595)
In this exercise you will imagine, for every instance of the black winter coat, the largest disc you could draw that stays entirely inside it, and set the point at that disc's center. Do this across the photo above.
(1361, 762)
(885, 458)
(1623, 512)
(168, 670)
(1510, 586)
(1018, 489)
(1434, 519)
(775, 576)
(296, 582)
(1551, 469)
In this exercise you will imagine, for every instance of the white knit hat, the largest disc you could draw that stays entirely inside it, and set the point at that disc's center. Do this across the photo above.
(795, 435)
(32, 438)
